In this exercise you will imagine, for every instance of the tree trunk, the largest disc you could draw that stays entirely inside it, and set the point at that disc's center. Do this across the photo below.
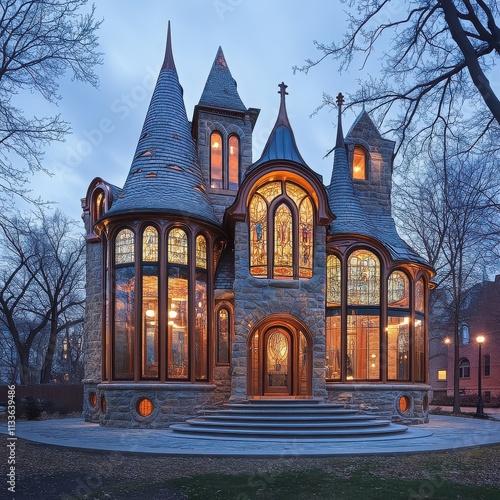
(45, 374)
(456, 364)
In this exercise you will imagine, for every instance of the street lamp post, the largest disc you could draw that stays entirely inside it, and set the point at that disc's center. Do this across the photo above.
(480, 404)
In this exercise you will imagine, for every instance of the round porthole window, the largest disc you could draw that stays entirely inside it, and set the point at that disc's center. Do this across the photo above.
(144, 407)
(404, 404)
(93, 399)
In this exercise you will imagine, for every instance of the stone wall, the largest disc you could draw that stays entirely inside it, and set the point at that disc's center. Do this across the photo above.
(385, 400)
(255, 299)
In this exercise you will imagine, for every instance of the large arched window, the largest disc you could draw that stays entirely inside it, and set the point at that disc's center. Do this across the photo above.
(223, 334)
(124, 306)
(359, 163)
(363, 275)
(281, 226)
(224, 161)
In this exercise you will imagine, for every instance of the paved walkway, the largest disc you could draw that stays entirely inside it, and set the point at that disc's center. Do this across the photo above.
(441, 433)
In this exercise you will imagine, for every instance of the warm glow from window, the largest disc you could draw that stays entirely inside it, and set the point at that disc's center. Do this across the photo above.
(363, 278)
(234, 162)
(359, 164)
(441, 374)
(144, 407)
(124, 247)
(216, 160)
(404, 403)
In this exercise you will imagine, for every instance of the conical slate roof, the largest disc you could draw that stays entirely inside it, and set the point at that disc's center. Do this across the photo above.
(220, 89)
(350, 215)
(165, 175)
(281, 143)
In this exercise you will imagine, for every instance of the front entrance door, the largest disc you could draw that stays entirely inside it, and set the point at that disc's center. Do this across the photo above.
(277, 362)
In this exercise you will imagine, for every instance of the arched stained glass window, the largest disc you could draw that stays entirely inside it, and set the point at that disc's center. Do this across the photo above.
(99, 205)
(258, 236)
(398, 290)
(177, 247)
(283, 213)
(223, 335)
(234, 162)
(363, 275)
(124, 247)
(216, 160)
(150, 244)
(306, 238)
(359, 163)
(333, 281)
(419, 295)
(283, 242)
(201, 251)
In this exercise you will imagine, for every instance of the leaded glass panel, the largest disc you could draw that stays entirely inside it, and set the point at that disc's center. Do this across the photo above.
(419, 351)
(201, 329)
(283, 242)
(223, 336)
(333, 281)
(270, 191)
(363, 278)
(124, 247)
(295, 192)
(398, 290)
(398, 348)
(258, 236)
(201, 252)
(150, 244)
(363, 347)
(333, 352)
(303, 365)
(150, 322)
(419, 296)
(305, 238)
(177, 247)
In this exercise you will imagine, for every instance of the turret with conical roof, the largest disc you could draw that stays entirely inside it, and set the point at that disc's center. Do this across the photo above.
(165, 176)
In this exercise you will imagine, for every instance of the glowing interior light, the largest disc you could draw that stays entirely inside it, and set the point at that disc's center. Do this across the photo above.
(150, 313)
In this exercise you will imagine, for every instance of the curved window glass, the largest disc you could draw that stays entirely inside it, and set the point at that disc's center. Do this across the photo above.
(419, 351)
(233, 162)
(223, 335)
(333, 344)
(398, 348)
(398, 290)
(363, 347)
(419, 296)
(177, 247)
(359, 163)
(150, 354)
(216, 165)
(333, 281)
(124, 247)
(363, 275)
(150, 244)
(201, 252)
(282, 212)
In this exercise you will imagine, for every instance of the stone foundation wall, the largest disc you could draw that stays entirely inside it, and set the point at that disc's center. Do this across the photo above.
(385, 400)
(117, 404)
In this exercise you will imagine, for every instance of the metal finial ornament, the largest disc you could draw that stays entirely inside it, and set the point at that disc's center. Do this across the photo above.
(282, 89)
(340, 99)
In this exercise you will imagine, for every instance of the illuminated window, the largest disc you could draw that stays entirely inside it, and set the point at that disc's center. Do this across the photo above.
(465, 335)
(234, 162)
(144, 407)
(177, 247)
(404, 403)
(363, 275)
(419, 296)
(150, 321)
(283, 212)
(398, 290)
(420, 373)
(441, 375)
(124, 247)
(150, 244)
(223, 335)
(398, 348)
(333, 281)
(359, 163)
(363, 347)
(333, 352)
(99, 205)
(201, 252)
(216, 179)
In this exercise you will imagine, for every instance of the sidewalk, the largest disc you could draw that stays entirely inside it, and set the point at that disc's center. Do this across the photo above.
(491, 412)
(441, 433)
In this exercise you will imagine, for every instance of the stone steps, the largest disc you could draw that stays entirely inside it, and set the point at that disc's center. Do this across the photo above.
(287, 419)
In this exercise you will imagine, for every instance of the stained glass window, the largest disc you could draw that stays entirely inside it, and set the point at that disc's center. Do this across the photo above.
(177, 247)
(223, 335)
(419, 296)
(258, 236)
(124, 247)
(333, 352)
(150, 321)
(283, 242)
(295, 192)
(270, 190)
(234, 162)
(419, 351)
(201, 332)
(216, 180)
(303, 365)
(201, 252)
(398, 290)
(363, 278)
(150, 244)
(333, 281)
(359, 164)
(305, 238)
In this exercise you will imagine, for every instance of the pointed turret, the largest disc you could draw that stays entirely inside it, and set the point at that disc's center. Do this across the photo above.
(343, 200)
(165, 176)
(281, 144)
(221, 89)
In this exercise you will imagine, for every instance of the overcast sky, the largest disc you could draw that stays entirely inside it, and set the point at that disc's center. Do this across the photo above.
(262, 40)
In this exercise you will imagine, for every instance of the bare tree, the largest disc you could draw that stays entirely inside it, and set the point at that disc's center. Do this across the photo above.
(41, 286)
(41, 40)
(446, 213)
(436, 59)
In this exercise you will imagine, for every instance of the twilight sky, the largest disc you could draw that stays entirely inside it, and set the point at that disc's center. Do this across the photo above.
(261, 40)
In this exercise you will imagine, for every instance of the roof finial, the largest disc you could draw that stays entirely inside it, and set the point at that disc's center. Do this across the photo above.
(282, 91)
(168, 62)
(340, 135)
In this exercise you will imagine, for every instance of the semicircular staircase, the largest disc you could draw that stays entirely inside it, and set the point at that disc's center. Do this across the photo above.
(287, 419)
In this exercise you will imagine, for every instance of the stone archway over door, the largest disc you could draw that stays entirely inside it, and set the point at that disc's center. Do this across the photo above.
(280, 360)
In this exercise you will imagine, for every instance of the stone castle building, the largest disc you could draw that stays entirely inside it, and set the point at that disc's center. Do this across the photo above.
(216, 278)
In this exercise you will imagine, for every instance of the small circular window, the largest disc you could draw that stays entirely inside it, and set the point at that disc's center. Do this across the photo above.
(404, 403)
(103, 404)
(144, 407)
(93, 399)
